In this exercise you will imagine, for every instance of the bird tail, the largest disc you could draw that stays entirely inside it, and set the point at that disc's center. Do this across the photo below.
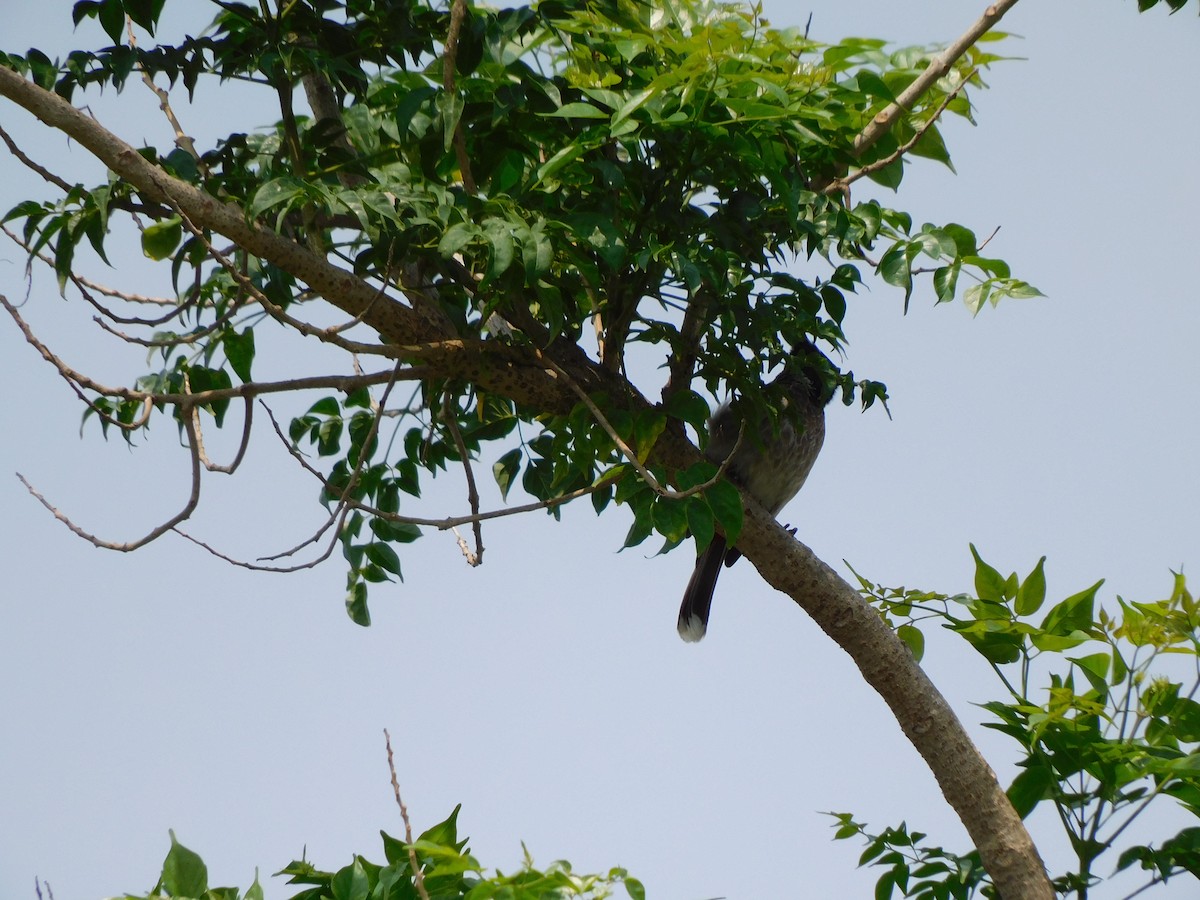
(697, 599)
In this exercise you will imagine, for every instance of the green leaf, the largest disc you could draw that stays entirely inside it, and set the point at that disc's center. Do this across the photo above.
(989, 584)
(505, 469)
(700, 521)
(945, 281)
(634, 888)
(1031, 787)
(239, 349)
(184, 873)
(112, 20)
(670, 518)
(456, 237)
(326, 406)
(384, 557)
(351, 882)
(914, 639)
(499, 236)
(356, 604)
(1073, 614)
(445, 832)
(647, 426)
(577, 111)
(277, 192)
(690, 407)
(1095, 669)
(255, 891)
(726, 503)
(1032, 592)
(160, 239)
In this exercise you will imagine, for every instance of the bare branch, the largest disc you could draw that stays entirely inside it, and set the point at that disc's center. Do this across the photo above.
(182, 140)
(49, 176)
(418, 876)
(155, 533)
(342, 383)
(280, 570)
(247, 423)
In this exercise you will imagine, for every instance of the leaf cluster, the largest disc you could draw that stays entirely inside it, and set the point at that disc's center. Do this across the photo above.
(1110, 727)
(446, 868)
(571, 177)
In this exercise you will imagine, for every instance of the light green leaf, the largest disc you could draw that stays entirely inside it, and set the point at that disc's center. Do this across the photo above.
(184, 873)
(1032, 592)
(160, 239)
(577, 111)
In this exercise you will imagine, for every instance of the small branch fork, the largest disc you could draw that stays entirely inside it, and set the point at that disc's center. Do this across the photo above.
(450, 418)
(841, 185)
(937, 68)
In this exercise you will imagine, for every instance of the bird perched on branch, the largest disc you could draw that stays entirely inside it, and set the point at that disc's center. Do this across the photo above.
(771, 469)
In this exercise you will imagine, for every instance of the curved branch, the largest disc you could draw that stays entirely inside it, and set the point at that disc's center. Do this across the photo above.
(193, 501)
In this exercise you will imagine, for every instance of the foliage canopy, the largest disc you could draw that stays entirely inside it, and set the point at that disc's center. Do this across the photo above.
(648, 183)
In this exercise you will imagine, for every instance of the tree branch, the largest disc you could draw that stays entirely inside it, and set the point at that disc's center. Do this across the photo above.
(937, 68)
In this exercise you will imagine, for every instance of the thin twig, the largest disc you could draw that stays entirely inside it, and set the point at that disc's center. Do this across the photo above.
(247, 423)
(418, 875)
(342, 383)
(49, 176)
(841, 184)
(450, 418)
(937, 68)
(449, 522)
(626, 451)
(256, 567)
(155, 533)
(458, 12)
(82, 284)
(164, 103)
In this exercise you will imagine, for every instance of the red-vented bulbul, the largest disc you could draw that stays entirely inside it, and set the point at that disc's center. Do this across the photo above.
(772, 469)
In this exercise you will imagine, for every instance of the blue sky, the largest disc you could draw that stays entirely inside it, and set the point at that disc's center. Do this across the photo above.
(547, 690)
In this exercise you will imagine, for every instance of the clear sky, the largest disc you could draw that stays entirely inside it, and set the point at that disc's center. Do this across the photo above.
(547, 690)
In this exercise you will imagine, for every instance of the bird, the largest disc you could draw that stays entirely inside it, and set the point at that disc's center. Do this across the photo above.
(772, 469)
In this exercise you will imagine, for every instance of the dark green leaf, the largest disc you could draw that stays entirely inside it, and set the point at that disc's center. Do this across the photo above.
(726, 503)
(356, 604)
(505, 470)
(239, 349)
(384, 557)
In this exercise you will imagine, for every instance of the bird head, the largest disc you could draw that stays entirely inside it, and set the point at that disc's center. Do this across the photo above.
(809, 366)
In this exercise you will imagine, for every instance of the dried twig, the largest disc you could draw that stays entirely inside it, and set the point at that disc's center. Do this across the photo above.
(418, 875)
(189, 428)
(448, 416)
